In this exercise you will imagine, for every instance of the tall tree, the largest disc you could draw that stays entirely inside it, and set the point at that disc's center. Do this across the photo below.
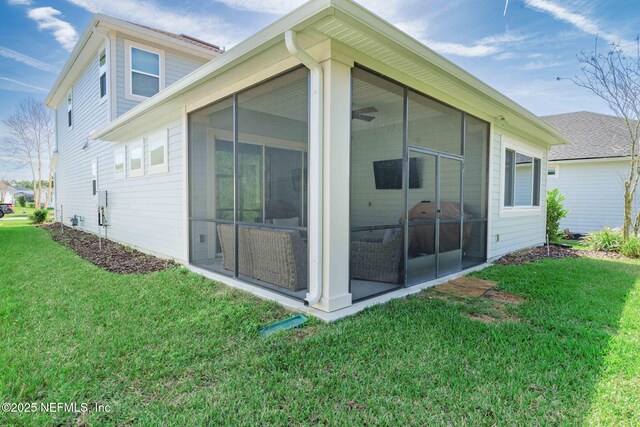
(614, 76)
(30, 141)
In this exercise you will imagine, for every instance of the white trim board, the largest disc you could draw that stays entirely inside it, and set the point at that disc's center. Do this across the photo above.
(298, 306)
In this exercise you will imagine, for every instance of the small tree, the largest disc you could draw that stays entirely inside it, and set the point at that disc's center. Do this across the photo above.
(30, 141)
(615, 78)
(22, 201)
(555, 212)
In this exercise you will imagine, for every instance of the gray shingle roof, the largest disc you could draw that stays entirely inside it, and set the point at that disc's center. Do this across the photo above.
(591, 136)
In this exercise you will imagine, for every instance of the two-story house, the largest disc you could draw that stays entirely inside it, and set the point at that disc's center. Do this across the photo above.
(114, 67)
(329, 162)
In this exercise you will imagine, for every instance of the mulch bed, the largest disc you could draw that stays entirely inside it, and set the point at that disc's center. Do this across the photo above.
(112, 257)
(555, 251)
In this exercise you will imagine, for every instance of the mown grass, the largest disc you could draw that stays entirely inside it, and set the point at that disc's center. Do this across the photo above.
(172, 348)
(26, 212)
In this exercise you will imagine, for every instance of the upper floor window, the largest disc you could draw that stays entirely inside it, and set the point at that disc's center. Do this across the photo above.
(144, 71)
(69, 110)
(521, 180)
(102, 73)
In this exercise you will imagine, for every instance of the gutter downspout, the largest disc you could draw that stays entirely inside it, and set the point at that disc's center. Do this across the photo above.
(316, 126)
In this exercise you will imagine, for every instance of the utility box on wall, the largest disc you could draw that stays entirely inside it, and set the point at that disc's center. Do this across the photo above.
(102, 199)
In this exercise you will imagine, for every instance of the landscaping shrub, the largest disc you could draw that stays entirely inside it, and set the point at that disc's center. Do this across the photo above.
(607, 239)
(22, 201)
(555, 212)
(631, 247)
(39, 216)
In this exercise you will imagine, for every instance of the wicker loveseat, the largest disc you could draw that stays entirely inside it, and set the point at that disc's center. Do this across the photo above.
(278, 257)
(377, 259)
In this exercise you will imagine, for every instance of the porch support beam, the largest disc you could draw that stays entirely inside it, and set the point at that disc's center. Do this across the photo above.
(336, 185)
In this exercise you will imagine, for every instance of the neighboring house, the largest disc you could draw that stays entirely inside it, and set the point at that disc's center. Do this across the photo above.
(23, 191)
(6, 192)
(321, 162)
(590, 171)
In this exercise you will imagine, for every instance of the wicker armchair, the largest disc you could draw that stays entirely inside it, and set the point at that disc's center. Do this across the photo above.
(377, 261)
(278, 257)
(245, 263)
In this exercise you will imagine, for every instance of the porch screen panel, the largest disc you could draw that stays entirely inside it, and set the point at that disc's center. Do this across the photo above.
(377, 196)
(211, 187)
(476, 157)
(271, 179)
(434, 125)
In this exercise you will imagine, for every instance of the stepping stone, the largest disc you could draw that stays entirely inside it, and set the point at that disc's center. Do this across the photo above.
(466, 287)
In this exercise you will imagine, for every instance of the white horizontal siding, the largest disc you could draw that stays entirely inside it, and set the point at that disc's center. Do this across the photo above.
(144, 212)
(594, 194)
(73, 175)
(508, 234)
(147, 211)
(177, 66)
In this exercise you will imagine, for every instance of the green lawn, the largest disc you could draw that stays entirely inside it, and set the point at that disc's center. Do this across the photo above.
(172, 348)
(25, 212)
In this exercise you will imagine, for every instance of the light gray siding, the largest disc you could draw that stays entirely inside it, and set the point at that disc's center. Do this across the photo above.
(594, 193)
(73, 175)
(511, 233)
(176, 66)
(147, 211)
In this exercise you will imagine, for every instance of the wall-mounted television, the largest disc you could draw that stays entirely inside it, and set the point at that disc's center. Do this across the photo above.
(388, 174)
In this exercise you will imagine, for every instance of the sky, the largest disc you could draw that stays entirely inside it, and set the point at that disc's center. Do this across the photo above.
(519, 50)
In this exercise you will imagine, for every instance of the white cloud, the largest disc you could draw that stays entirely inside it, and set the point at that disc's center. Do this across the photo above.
(276, 7)
(457, 49)
(47, 19)
(387, 9)
(579, 21)
(505, 55)
(205, 26)
(541, 65)
(19, 2)
(31, 62)
(29, 87)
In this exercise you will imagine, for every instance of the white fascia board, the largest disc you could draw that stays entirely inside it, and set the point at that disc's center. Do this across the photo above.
(535, 129)
(71, 61)
(352, 12)
(302, 17)
(152, 36)
(87, 44)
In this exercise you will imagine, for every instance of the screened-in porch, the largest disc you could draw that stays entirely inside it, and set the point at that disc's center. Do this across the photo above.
(419, 174)
(248, 185)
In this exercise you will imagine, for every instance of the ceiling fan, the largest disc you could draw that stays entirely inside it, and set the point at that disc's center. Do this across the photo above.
(362, 114)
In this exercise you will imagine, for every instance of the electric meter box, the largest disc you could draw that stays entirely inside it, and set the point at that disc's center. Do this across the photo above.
(102, 199)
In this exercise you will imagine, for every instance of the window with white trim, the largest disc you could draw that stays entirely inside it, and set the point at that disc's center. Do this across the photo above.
(69, 109)
(553, 171)
(158, 151)
(144, 71)
(521, 179)
(119, 163)
(135, 163)
(102, 74)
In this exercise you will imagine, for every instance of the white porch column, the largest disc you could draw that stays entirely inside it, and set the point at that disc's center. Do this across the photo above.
(335, 215)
